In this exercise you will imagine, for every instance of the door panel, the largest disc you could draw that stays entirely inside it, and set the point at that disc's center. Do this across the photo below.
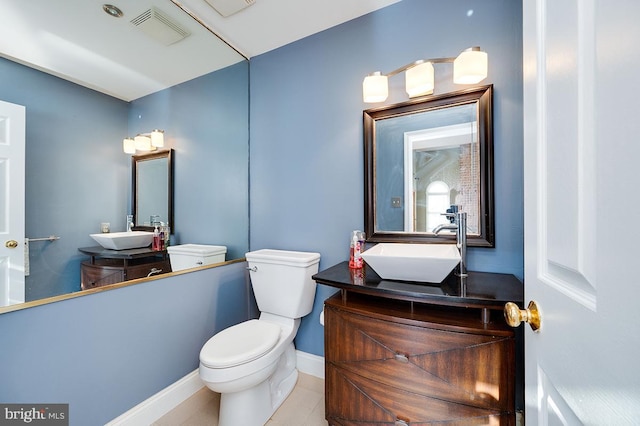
(565, 214)
(556, 410)
(582, 213)
(12, 157)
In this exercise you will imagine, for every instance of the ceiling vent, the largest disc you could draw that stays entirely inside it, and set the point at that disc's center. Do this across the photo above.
(159, 26)
(229, 7)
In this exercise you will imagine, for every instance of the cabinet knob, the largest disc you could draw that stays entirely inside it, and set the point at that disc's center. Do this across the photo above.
(514, 315)
(401, 358)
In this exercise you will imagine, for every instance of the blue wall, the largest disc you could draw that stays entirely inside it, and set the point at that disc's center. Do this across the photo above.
(206, 122)
(106, 352)
(306, 162)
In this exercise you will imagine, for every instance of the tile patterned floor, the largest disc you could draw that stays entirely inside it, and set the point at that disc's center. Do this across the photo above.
(304, 407)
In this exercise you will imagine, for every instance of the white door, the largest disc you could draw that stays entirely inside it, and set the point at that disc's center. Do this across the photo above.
(582, 210)
(12, 154)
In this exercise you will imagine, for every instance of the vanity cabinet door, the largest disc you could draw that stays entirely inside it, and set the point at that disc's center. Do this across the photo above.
(104, 272)
(380, 371)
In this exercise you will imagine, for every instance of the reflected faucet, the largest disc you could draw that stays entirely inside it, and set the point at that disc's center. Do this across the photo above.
(459, 224)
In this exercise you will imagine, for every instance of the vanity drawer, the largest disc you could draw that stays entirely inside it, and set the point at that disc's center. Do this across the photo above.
(355, 400)
(110, 271)
(140, 271)
(461, 367)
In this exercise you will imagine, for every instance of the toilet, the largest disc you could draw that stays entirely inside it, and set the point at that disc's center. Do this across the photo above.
(185, 256)
(253, 364)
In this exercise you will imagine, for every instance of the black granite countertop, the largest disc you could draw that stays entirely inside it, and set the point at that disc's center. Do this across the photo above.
(99, 251)
(478, 289)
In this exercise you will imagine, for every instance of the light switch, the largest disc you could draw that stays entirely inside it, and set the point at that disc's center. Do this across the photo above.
(396, 202)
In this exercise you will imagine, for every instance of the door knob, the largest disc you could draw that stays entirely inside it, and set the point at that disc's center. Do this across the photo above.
(514, 315)
(11, 244)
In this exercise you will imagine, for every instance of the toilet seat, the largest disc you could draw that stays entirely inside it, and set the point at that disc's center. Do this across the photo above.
(240, 344)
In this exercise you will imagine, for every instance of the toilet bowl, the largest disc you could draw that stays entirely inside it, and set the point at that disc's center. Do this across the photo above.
(185, 256)
(253, 364)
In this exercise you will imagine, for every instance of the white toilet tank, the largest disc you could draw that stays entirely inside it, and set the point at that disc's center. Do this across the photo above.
(187, 256)
(282, 282)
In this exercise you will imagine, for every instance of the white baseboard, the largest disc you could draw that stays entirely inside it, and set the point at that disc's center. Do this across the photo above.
(167, 399)
(310, 364)
(158, 405)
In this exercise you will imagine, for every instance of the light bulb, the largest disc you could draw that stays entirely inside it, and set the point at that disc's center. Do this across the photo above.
(143, 143)
(157, 138)
(419, 80)
(129, 146)
(470, 67)
(375, 88)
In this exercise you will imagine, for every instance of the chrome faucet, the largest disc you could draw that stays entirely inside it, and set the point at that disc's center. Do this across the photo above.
(459, 224)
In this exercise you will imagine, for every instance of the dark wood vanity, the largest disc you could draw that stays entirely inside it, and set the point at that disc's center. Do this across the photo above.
(402, 353)
(113, 266)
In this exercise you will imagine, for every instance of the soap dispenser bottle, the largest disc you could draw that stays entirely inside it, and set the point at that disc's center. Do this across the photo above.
(355, 260)
(156, 244)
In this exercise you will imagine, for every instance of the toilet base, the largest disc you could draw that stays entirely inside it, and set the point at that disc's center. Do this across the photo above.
(263, 399)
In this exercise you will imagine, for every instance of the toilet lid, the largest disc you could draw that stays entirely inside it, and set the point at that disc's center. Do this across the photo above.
(239, 344)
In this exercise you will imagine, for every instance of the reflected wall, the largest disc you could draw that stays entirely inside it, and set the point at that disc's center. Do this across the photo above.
(77, 175)
(206, 123)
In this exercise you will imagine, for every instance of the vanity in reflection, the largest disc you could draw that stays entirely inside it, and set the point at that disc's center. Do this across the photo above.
(402, 353)
(107, 266)
(152, 201)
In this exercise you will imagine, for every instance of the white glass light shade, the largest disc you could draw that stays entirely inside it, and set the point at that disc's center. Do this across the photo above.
(419, 80)
(375, 88)
(143, 143)
(129, 146)
(157, 138)
(470, 67)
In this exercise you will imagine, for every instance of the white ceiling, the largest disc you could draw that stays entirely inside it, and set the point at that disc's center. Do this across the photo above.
(76, 40)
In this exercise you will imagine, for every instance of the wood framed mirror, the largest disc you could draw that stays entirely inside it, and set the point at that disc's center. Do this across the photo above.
(423, 155)
(152, 189)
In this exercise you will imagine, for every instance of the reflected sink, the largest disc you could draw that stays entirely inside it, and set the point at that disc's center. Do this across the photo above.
(123, 240)
(412, 262)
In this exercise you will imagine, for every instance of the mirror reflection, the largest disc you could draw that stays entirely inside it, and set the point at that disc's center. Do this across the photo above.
(422, 157)
(152, 188)
(77, 177)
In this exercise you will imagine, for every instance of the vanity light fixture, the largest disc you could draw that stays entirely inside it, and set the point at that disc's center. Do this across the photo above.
(470, 67)
(144, 142)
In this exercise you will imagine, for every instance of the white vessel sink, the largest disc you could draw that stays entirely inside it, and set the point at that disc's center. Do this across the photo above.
(123, 240)
(412, 262)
